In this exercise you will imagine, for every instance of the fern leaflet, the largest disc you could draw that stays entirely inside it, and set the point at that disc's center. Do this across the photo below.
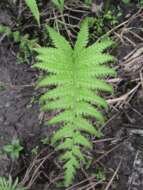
(32, 4)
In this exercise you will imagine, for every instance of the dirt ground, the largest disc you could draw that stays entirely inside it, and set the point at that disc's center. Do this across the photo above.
(119, 153)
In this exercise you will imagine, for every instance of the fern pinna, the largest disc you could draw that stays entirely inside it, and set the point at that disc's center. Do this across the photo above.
(76, 74)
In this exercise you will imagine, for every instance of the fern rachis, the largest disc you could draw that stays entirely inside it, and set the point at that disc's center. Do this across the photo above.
(78, 78)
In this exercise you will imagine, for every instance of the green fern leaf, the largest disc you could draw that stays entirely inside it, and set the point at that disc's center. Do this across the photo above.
(58, 69)
(97, 85)
(99, 47)
(84, 125)
(70, 170)
(88, 110)
(77, 77)
(98, 71)
(65, 116)
(55, 80)
(67, 144)
(94, 59)
(32, 4)
(63, 103)
(59, 41)
(89, 96)
(59, 4)
(57, 92)
(65, 132)
(77, 152)
(82, 38)
(66, 156)
(81, 140)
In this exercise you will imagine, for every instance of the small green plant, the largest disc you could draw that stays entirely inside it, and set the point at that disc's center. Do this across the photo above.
(26, 45)
(14, 149)
(100, 175)
(59, 4)
(8, 184)
(100, 24)
(126, 1)
(112, 18)
(2, 87)
(88, 2)
(45, 141)
(32, 4)
(77, 74)
(141, 3)
(35, 150)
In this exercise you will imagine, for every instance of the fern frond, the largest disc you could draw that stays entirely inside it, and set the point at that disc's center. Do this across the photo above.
(77, 77)
(82, 38)
(58, 40)
(81, 140)
(103, 71)
(77, 152)
(89, 96)
(86, 109)
(96, 85)
(59, 4)
(63, 103)
(65, 132)
(93, 59)
(70, 170)
(51, 68)
(100, 47)
(65, 116)
(56, 93)
(52, 61)
(83, 125)
(66, 145)
(32, 4)
(55, 80)
(51, 55)
(98, 71)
